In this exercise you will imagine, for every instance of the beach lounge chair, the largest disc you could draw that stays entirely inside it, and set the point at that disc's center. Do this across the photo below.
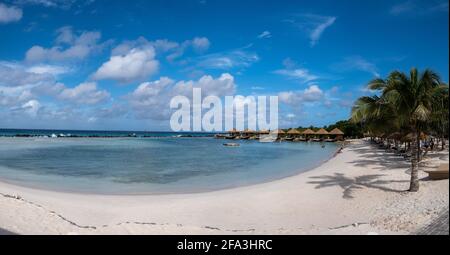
(439, 174)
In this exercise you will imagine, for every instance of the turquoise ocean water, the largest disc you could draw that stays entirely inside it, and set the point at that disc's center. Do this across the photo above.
(160, 163)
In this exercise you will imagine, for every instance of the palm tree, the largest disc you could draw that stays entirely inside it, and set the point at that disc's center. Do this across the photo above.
(439, 125)
(407, 103)
(377, 115)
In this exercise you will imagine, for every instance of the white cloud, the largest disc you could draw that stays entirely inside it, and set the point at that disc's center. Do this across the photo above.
(290, 116)
(14, 74)
(317, 32)
(150, 95)
(419, 8)
(314, 25)
(65, 35)
(356, 63)
(174, 49)
(160, 45)
(113, 111)
(164, 45)
(222, 86)
(402, 8)
(9, 14)
(46, 3)
(200, 44)
(48, 69)
(301, 74)
(295, 98)
(84, 93)
(136, 64)
(31, 107)
(69, 46)
(17, 85)
(150, 100)
(265, 35)
(61, 4)
(13, 96)
(313, 93)
(228, 60)
(288, 63)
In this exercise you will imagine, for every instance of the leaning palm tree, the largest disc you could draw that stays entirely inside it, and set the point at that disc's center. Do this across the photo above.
(411, 98)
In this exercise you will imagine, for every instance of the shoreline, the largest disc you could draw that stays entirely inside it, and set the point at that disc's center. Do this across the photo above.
(230, 187)
(37, 187)
(340, 196)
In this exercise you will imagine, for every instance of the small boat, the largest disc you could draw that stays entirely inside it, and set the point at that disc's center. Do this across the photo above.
(289, 139)
(268, 139)
(231, 144)
(230, 137)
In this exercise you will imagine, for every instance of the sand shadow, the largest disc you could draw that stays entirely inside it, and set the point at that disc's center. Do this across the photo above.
(349, 185)
(6, 232)
(379, 159)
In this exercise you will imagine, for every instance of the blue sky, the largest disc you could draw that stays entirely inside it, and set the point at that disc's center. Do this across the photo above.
(115, 64)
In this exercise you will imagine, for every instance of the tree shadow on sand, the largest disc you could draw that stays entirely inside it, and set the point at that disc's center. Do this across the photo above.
(382, 159)
(349, 185)
(379, 159)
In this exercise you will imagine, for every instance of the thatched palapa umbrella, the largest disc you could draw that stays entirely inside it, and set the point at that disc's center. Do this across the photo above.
(338, 133)
(411, 137)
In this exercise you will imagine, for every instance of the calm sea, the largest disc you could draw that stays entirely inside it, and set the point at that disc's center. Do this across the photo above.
(148, 162)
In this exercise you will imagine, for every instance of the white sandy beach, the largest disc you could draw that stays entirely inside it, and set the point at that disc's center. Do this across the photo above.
(360, 191)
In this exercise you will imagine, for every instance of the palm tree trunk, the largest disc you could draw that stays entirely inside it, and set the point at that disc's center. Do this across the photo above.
(414, 183)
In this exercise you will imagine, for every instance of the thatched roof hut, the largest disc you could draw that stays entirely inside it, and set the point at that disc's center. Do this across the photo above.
(308, 132)
(293, 131)
(249, 131)
(233, 131)
(263, 131)
(278, 131)
(336, 131)
(321, 132)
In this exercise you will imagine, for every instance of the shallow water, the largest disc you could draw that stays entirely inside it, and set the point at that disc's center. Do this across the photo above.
(151, 165)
